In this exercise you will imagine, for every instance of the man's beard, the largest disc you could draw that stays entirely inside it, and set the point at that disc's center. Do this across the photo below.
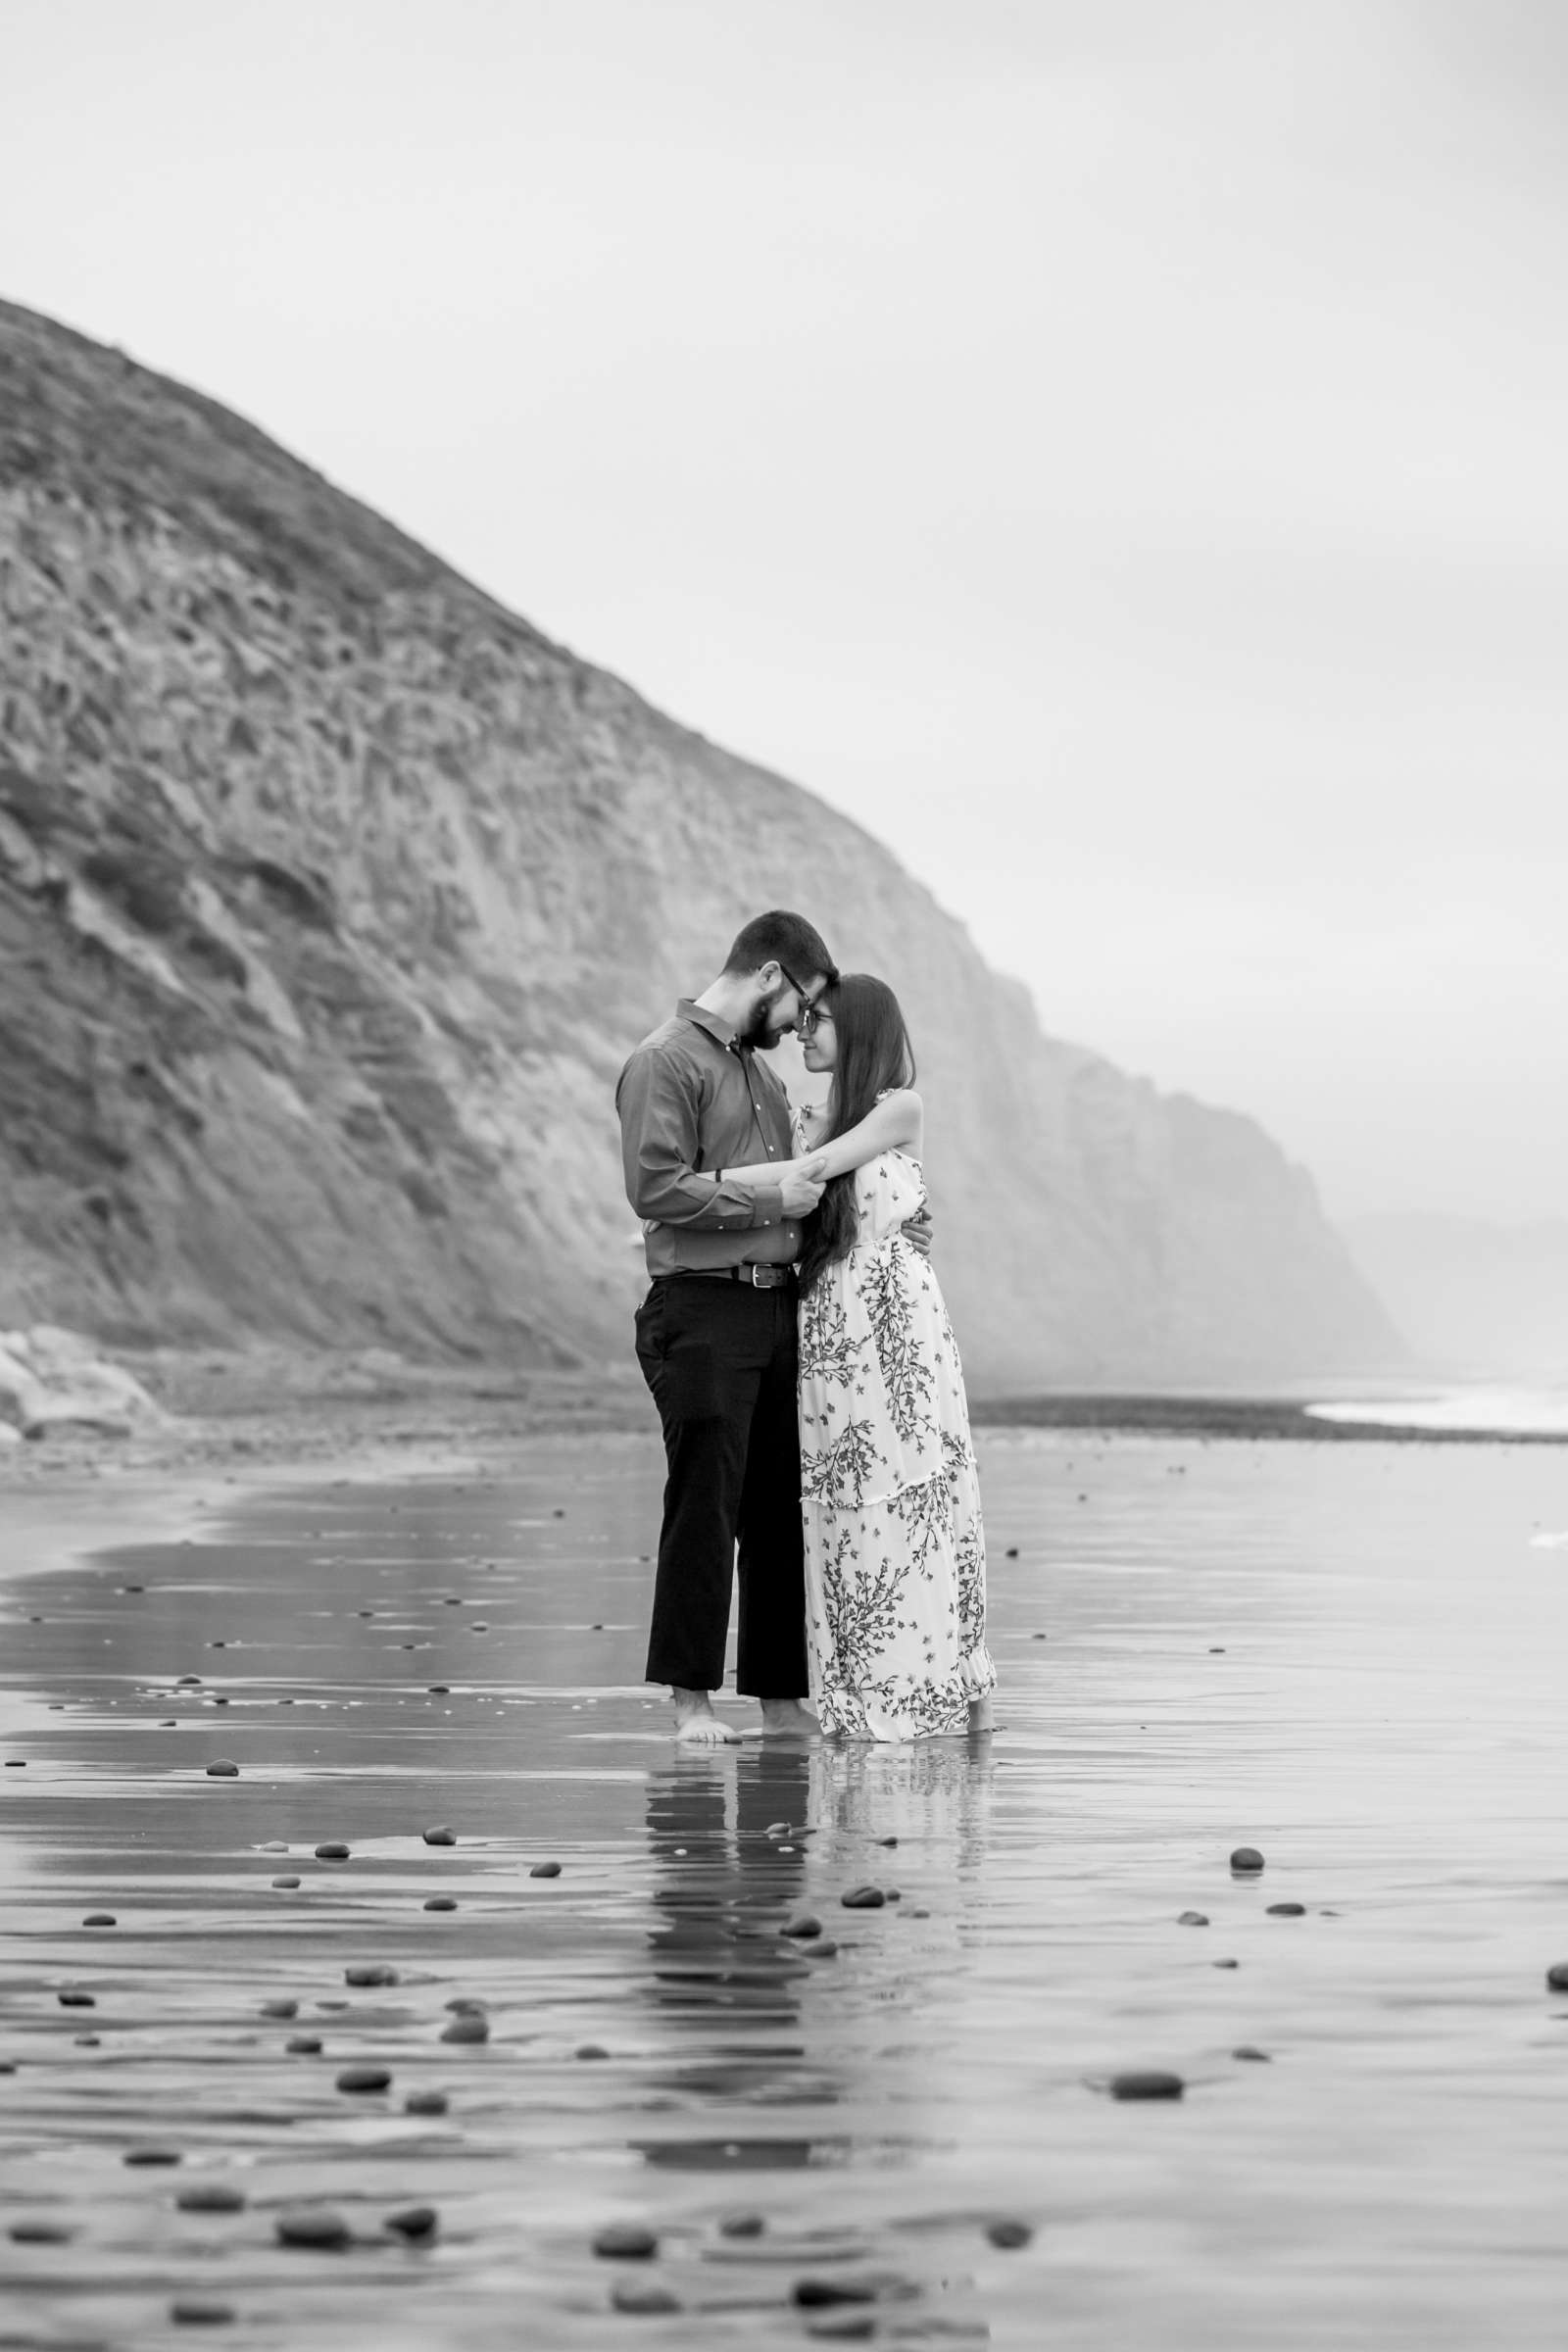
(756, 1035)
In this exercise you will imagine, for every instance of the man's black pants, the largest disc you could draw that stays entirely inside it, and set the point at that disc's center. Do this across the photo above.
(720, 1361)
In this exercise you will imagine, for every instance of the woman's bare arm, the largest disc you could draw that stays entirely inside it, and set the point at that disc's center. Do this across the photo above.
(895, 1124)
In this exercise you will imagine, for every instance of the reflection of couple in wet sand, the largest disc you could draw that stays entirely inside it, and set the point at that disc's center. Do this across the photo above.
(800, 1354)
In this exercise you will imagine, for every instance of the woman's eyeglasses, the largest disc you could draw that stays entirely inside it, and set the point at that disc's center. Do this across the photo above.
(811, 1017)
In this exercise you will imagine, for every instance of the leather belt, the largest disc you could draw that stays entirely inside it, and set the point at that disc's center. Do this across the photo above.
(756, 1278)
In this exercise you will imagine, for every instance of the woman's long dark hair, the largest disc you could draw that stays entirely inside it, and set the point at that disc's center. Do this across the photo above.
(874, 1053)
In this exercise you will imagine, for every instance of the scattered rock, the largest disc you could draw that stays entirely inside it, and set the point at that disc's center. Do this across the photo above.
(282, 2007)
(273, 1845)
(440, 1902)
(39, 2232)
(441, 1837)
(209, 2197)
(364, 2078)
(426, 2102)
(827, 1949)
(1287, 1910)
(1224, 1964)
(287, 1880)
(802, 1923)
(863, 1898)
(468, 2026)
(643, 2295)
(200, 2311)
(414, 2221)
(1247, 2051)
(591, 2049)
(741, 2225)
(1009, 2233)
(100, 1919)
(626, 2241)
(70, 1999)
(151, 2155)
(819, 2294)
(544, 1870)
(314, 2225)
(223, 1768)
(369, 1971)
(334, 1851)
(1557, 1976)
(1147, 2082)
(1245, 1860)
(304, 2045)
(1193, 1919)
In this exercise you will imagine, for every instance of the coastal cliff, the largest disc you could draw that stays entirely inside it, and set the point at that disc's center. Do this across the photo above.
(332, 895)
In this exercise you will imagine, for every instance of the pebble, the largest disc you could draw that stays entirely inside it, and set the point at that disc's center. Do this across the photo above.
(1557, 1976)
(1147, 2082)
(426, 2102)
(414, 2220)
(1247, 2051)
(364, 2078)
(544, 1870)
(863, 1898)
(816, 2294)
(777, 1829)
(75, 2000)
(1247, 1858)
(304, 2045)
(369, 1971)
(887, 1841)
(441, 1837)
(190, 1681)
(223, 1768)
(200, 2311)
(151, 2155)
(626, 2241)
(41, 2233)
(468, 2025)
(1193, 1919)
(440, 1902)
(283, 2007)
(1011, 1553)
(741, 2225)
(1009, 2233)
(1224, 1964)
(827, 1949)
(591, 2049)
(333, 1851)
(273, 1845)
(209, 2197)
(804, 1924)
(286, 1881)
(100, 1919)
(1287, 1910)
(642, 2295)
(312, 2226)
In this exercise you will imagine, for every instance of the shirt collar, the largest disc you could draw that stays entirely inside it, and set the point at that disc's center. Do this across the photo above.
(690, 1010)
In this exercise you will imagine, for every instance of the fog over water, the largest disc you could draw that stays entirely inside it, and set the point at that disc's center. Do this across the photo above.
(1113, 451)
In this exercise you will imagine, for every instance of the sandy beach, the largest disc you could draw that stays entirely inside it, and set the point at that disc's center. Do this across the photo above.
(903, 2127)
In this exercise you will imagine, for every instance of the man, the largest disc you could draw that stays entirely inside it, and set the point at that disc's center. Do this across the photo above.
(717, 1334)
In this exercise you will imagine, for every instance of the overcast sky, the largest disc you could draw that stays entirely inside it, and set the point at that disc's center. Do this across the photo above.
(1115, 450)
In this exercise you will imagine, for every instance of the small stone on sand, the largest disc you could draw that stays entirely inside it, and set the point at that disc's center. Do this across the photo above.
(1247, 2051)
(100, 1919)
(863, 1898)
(1009, 2233)
(440, 1902)
(369, 1971)
(1224, 1964)
(73, 1999)
(625, 2241)
(803, 1924)
(41, 2233)
(1147, 2082)
(1287, 1910)
(819, 2294)
(827, 1949)
(209, 2197)
(414, 2220)
(283, 2006)
(741, 2225)
(273, 1845)
(289, 1880)
(364, 2078)
(1557, 1976)
(468, 2027)
(200, 2311)
(1246, 1859)
(590, 2049)
(333, 1851)
(642, 2295)
(426, 2102)
(1193, 1919)
(304, 2045)
(223, 1768)
(151, 2155)
(312, 2226)
(441, 1837)
(544, 1870)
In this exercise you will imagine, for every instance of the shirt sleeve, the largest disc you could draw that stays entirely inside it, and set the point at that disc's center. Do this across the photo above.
(658, 1147)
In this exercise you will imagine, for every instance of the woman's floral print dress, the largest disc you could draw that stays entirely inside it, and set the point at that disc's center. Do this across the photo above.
(895, 1550)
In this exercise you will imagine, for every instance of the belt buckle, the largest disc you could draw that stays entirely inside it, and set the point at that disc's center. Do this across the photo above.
(755, 1273)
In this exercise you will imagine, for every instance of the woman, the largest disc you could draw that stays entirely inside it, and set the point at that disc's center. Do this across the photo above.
(895, 1550)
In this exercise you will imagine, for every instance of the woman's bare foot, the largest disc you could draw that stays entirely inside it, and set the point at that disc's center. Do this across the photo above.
(787, 1719)
(980, 1716)
(696, 1723)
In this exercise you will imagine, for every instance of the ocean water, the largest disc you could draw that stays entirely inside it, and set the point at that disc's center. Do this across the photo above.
(1348, 1657)
(1492, 1410)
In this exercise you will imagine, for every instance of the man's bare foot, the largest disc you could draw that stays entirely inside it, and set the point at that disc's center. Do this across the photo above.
(697, 1725)
(787, 1719)
(980, 1715)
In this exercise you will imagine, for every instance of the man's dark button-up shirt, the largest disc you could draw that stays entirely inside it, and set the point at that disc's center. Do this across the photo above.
(691, 1099)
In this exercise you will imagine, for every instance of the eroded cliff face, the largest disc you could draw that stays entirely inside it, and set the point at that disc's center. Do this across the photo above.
(332, 897)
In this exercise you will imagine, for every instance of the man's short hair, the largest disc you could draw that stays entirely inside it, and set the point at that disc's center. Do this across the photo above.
(779, 937)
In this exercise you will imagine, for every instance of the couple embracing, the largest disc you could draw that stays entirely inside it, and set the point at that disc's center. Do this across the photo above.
(801, 1358)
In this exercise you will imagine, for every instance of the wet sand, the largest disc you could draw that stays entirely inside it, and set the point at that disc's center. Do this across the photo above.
(1348, 1656)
